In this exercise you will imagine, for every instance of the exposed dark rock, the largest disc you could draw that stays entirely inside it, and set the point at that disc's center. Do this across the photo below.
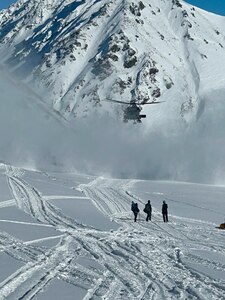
(115, 48)
(161, 36)
(78, 44)
(103, 10)
(203, 56)
(113, 57)
(141, 5)
(186, 23)
(153, 71)
(124, 84)
(186, 107)
(185, 14)
(102, 68)
(48, 64)
(129, 63)
(139, 21)
(156, 93)
(177, 3)
(125, 46)
(188, 36)
(136, 9)
(131, 52)
(72, 57)
(168, 82)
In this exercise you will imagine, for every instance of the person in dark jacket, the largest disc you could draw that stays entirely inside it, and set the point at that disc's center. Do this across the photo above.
(148, 210)
(135, 210)
(165, 211)
(222, 226)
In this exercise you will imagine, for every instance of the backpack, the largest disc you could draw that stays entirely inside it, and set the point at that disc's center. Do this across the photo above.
(134, 207)
(148, 208)
(222, 226)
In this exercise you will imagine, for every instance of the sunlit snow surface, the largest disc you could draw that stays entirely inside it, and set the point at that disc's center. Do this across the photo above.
(68, 236)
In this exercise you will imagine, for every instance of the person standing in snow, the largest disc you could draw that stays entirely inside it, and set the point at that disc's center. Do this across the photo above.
(222, 226)
(135, 210)
(165, 211)
(148, 210)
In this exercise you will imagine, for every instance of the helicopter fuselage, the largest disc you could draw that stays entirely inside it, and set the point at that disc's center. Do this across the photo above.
(133, 109)
(132, 112)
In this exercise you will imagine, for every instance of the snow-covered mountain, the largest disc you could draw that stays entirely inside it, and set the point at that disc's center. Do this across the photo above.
(65, 235)
(83, 52)
(67, 57)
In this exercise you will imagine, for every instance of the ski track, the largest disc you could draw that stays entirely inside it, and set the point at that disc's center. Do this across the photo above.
(141, 260)
(7, 203)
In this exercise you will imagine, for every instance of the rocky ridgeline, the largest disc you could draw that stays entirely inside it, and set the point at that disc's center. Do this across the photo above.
(82, 52)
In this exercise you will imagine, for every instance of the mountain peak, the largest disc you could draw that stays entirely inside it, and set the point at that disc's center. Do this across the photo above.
(83, 52)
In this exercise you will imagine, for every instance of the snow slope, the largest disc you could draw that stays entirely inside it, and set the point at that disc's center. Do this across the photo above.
(29, 130)
(35, 137)
(83, 243)
(70, 236)
(64, 58)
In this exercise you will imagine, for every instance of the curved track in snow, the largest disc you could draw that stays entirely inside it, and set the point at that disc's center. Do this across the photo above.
(158, 250)
(140, 261)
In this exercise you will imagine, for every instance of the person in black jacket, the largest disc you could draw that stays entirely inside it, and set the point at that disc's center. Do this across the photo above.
(148, 210)
(135, 210)
(165, 211)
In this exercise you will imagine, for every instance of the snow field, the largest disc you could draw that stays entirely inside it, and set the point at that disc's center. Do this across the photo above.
(84, 256)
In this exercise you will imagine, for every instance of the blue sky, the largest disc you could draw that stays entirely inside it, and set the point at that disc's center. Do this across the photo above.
(216, 6)
(5, 3)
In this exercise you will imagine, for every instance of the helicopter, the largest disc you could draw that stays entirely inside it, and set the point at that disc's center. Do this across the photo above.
(133, 111)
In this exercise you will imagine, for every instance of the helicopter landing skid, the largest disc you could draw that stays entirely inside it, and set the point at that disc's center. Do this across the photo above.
(142, 116)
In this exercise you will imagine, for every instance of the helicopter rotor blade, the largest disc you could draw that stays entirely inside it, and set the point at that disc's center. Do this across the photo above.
(153, 102)
(117, 101)
(133, 102)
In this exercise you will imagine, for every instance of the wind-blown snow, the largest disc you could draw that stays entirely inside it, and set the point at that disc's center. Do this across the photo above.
(66, 235)
(75, 54)
(34, 136)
